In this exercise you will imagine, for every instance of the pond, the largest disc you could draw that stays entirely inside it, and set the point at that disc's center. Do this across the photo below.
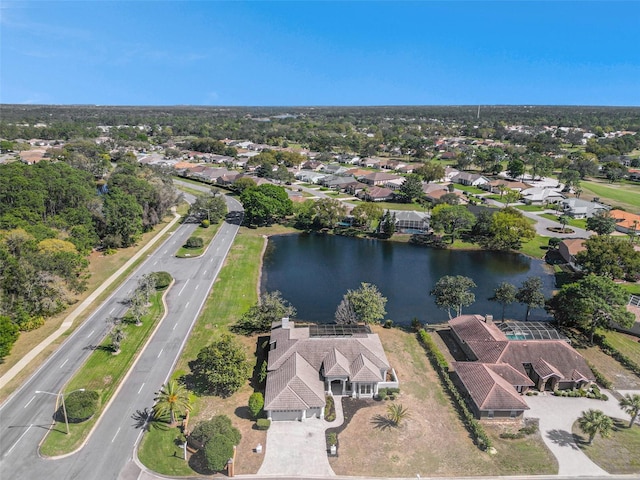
(314, 271)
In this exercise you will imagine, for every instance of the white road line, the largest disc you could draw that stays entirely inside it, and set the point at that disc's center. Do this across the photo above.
(155, 262)
(186, 305)
(196, 287)
(114, 437)
(90, 333)
(212, 260)
(204, 273)
(174, 327)
(29, 402)
(14, 445)
(63, 363)
(165, 252)
(160, 353)
(112, 310)
(140, 388)
(182, 289)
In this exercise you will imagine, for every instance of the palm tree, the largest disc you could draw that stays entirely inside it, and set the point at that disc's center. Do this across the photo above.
(396, 413)
(595, 421)
(172, 398)
(564, 219)
(631, 405)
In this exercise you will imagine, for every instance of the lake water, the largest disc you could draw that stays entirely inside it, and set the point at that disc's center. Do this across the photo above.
(314, 271)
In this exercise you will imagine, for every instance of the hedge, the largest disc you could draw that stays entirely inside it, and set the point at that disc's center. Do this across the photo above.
(610, 350)
(263, 424)
(194, 242)
(439, 362)
(80, 405)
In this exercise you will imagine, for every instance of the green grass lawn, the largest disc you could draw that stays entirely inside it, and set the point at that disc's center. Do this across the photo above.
(102, 372)
(206, 234)
(232, 295)
(536, 247)
(394, 206)
(469, 189)
(531, 208)
(617, 454)
(625, 344)
(574, 222)
(624, 195)
(633, 288)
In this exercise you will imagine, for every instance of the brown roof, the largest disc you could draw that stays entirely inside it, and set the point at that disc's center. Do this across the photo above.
(473, 328)
(296, 360)
(626, 219)
(381, 176)
(574, 245)
(487, 389)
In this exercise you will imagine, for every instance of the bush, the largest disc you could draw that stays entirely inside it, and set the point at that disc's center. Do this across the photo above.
(218, 425)
(263, 424)
(194, 242)
(205, 223)
(162, 279)
(256, 402)
(329, 409)
(218, 451)
(388, 323)
(81, 405)
(8, 336)
(415, 324)
(332, 438)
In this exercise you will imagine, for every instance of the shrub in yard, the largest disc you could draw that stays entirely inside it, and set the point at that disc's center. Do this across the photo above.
(256, 402)
(218, 425)
(205, 223)
(263, 424)
(218, 451)
(194, 242)
(162, 279)
(81, 405)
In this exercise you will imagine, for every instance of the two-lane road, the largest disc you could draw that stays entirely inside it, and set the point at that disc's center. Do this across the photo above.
(26, 416)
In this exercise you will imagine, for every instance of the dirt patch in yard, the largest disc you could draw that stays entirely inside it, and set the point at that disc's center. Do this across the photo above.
(620, 377)
(432, 441)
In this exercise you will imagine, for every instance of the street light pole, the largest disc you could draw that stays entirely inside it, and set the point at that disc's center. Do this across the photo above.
(59, 396)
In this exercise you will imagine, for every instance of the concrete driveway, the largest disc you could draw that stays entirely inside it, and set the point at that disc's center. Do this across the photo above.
(557, 415)
(296, 449)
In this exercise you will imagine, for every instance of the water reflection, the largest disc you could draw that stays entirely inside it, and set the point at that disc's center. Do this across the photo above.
(314, 271)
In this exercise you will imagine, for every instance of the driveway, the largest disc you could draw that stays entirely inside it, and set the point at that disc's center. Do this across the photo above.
(557, 415)
(299, 448)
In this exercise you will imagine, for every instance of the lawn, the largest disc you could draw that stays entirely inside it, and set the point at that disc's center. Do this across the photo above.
(625, 344)
(235, 290)
(433, 441)
(394, 206)
(206, 234)
(469, 189)
(624, 195)
(102, 372)
(531, 208)
(536, 247)
(617, 454)
(573, 222)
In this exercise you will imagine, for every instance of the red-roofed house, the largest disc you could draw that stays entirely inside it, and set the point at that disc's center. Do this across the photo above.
(501, 368)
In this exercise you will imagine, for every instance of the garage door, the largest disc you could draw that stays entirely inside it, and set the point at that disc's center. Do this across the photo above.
(285, 415)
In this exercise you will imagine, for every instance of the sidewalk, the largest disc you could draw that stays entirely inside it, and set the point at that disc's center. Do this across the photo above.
(68, 322)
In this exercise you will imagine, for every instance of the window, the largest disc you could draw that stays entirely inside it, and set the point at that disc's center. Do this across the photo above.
(514, 413)
(365, 389)
(490, 414)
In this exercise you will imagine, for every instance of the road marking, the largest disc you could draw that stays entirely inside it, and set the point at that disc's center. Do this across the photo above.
(140, 388)
(174, 327)
(185, 286)
(112, 310)
(14, 445)
(29, 402)
(212, 259)
(114, 437)
(204, 273)
(164, 253)
(196, 287)
(160, 353)
(64, 363)
(186, 305)
(155, 262)
(90, 333)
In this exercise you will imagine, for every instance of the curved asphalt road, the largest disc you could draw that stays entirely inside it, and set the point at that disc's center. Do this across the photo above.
(26, 416)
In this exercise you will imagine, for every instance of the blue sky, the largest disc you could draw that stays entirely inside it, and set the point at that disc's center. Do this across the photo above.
(320, 53)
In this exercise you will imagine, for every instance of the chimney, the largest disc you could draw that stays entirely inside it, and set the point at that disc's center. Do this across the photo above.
(285, 322)
(488, 318)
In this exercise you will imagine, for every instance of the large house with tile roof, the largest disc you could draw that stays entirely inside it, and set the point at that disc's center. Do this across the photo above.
(307, 363)
(501, 368)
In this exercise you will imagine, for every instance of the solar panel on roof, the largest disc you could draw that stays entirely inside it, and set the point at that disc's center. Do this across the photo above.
(336, 330)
